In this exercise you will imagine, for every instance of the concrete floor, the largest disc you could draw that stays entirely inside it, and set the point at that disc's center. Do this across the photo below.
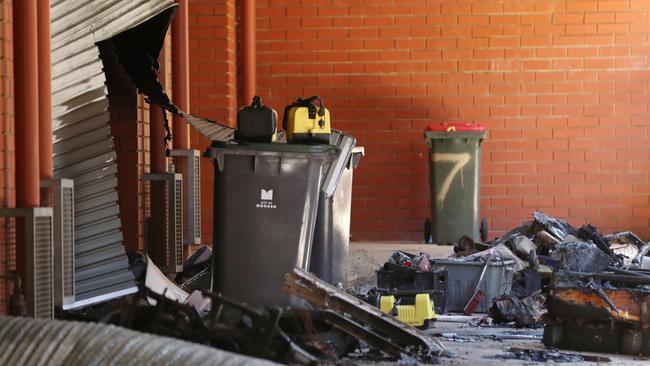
(483, 349)
(366, 257)
(381, 251)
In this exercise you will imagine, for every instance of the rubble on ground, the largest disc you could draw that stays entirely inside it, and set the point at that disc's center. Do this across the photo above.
(524, 312)
(577, 283)
(337, 324)
(580, 285)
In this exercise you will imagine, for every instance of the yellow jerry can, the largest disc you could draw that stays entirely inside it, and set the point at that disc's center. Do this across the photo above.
(305, 122)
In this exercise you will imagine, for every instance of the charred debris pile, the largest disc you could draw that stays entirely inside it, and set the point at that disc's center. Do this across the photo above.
(588, 290)
(326, 325)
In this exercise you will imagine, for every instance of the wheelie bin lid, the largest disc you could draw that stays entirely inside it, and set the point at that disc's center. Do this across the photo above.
(454, 130)
(272, 147)
(218, 150)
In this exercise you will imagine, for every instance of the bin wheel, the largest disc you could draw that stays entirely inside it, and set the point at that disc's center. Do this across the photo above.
(484, 230)
(427, 231)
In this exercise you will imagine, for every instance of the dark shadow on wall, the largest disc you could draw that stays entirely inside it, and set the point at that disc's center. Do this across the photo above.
(125, 126)
(131, 64)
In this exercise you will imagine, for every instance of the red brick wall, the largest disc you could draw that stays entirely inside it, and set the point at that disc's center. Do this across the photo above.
(213, 81)
(561, 85)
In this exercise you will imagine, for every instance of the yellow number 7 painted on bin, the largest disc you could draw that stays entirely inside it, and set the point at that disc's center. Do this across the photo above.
(459, 160)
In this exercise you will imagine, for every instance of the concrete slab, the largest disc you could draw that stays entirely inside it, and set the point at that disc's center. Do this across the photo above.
(380, 251)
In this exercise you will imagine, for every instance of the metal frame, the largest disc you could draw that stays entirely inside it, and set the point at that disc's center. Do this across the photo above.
(174, 227)
(188, 163)
(38, 264)
(361, 319)
(63, 231)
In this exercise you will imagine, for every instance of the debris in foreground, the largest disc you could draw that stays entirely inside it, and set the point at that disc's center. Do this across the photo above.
(228, 325)
(362, 320)
(287, 335)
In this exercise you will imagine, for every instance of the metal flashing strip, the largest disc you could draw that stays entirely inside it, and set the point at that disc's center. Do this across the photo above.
(101, 298)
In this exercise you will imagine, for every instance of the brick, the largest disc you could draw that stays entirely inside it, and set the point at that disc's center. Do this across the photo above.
(487, 31)
(600, 40)
(538, 156)
(599, 18)
(568, 40)
(573, 29)
(612, 28)
(538, 202)
(582, 6)
(379, 44)
(613, 5)
(522, 7)
(456, 54)
(504, 42)
(413, 20)
(456, 9)
(567, 18)
(506, 201)
(504, 19)
(552, 189)
(473, 20)
(506, 179)
(488, 53)
(442, 20)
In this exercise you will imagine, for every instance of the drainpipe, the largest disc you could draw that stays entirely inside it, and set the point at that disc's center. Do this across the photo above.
(26, 102)
(156, 125)
(180, 75)
(44, 90)
(249, 55)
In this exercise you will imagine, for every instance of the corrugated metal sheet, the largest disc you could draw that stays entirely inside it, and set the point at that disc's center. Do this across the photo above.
(83, 147)
(27, 341)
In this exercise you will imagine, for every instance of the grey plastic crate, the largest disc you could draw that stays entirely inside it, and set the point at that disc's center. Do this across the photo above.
(462, 277)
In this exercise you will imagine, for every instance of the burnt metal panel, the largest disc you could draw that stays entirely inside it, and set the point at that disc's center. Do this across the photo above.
(83, 147)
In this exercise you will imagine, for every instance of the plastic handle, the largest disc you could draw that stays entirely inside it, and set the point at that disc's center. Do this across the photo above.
(451, 129)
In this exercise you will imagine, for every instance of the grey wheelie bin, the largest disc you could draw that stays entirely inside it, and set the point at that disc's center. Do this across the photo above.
(265, 205)
(329, 255)
(454, 180)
